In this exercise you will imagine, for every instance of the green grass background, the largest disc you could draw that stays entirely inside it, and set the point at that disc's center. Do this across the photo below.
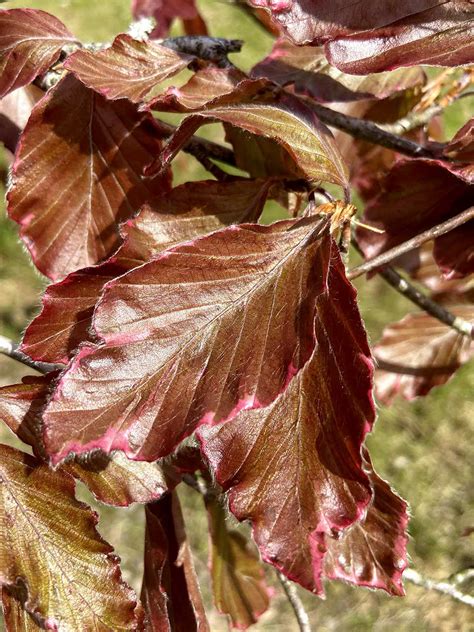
(424, 448)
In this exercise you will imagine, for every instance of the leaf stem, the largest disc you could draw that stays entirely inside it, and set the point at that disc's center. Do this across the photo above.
(296, 603)
(10, 348)
(411, 244)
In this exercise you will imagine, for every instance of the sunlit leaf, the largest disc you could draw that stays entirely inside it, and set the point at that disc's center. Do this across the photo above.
(77, 174)
(30, 42)
(373, 552)
(15, 110)
(238, 580)
(420, 352)
(202, 331)
(170, 592)
(68, 575)
(188, 211)
(114, 480)
(307, 69)
(128, 69)
(294, 469)
(288, 120)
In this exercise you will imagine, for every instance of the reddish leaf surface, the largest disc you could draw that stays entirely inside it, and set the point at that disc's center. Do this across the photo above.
(30, 42)
(15, 110)
(317, 21)
(115, 480)
(15, 617)
(461, 147)
(289, 121)
(212, 344)
(170, 592)
(164, 11)
(238, 579)
(77, 174)
(307, 70)
(416, 195)
(418, 353)
(129, 69)
(373, 552)
(188, 211)
(49, 554)
(441, 36)
(294, 469)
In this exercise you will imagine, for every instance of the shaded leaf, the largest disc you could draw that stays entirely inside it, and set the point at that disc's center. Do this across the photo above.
(164, 11)
(294, 469)
(318, 21)
(129, 69)
(416, 195)
(252, 106)
(15, 617)
(440, 36)
(114, 480)
(30, 42)
(307, 70)
(197, 353)
(49, 554)
(15, 110)
(461, 147)
(188, 211)
(77, 174)
(170, 592)
(373, 552)
(238, 579)
(418, 353)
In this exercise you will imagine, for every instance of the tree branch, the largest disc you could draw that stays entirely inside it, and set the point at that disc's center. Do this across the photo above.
(443, 587)
(411, 244)
(411, 121)
(296, 603)
(10, 349)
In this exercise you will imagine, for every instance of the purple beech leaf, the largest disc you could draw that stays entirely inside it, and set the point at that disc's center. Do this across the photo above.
(308, 71)
(294, 469)
(170, 592)
(188, 211)
(30, 42)
(204, 330)
(165, 11)
(317, 21)
(129, 69)
(78, 174)
(54, 556)
(15, 617)
(440, 36)
(416, 195)
(461, 146)
(238, 579)
(114, 480)
(373, 552)
(15, 110)
(418, 353)
(288, 120)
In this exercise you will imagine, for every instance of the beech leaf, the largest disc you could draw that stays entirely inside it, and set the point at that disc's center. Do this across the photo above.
(210, 346)
(164, 11)
(294, 469)
(307, 69)
(418, 353)
(373, 552)
(77, 174)
(70, 579)
(129, 69)
(170, 591)
(114, 480)
(238, 579)
(190, 210)
(440, 36)
(30, 42)
(287, 120)
(15, 617)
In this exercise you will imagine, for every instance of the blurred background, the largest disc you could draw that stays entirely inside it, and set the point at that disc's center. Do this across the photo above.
(424, 448)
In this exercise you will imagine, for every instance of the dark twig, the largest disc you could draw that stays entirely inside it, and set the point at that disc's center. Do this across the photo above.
(411, 244)
(10, 349)
(296, 603)
(366, 130)
(213, 49)
(443, 587)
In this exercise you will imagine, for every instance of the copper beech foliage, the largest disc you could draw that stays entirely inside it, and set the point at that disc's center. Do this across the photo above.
(194, 342)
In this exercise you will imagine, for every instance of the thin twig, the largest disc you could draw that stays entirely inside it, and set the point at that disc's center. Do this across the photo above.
(411, 244)
(213, 49)
(443, 587)
(10, 349)
(411, 121)
(296, 603)
(366, 130)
